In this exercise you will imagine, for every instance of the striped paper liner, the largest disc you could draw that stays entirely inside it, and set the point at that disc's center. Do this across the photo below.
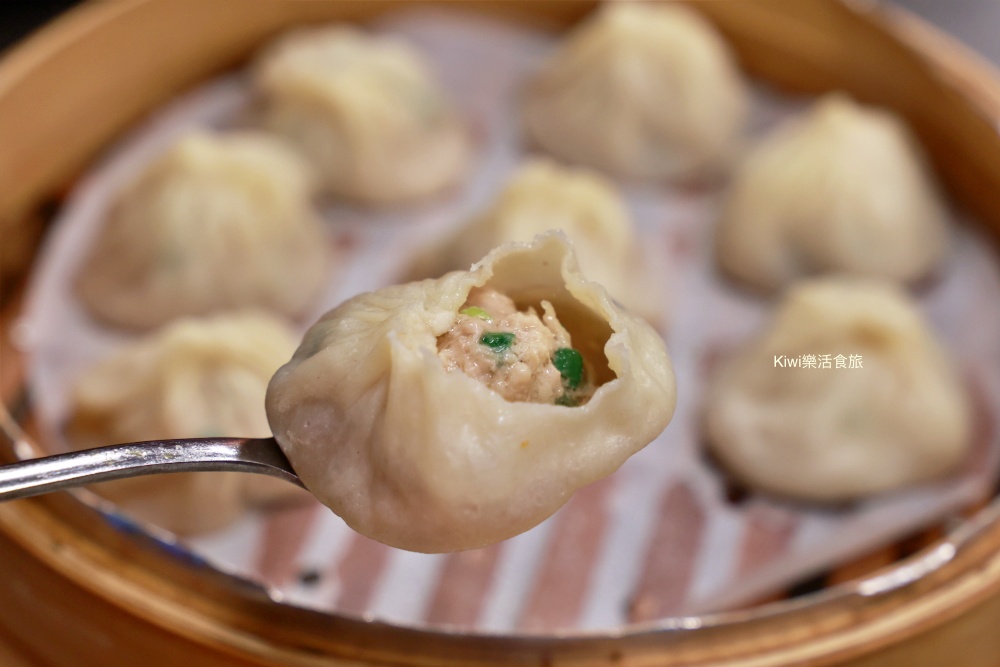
(662, 536)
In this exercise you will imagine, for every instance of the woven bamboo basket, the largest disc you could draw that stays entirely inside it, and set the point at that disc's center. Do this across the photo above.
(76, 590)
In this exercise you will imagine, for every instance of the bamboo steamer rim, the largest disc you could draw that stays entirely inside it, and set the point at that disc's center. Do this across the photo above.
(238, 623)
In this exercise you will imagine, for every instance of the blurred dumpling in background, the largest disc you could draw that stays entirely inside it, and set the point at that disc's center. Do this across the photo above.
(846, 394)
(845, 189)
(542, 195)
(365, 110)
(217, 222)
(196, 378)
(647, 91)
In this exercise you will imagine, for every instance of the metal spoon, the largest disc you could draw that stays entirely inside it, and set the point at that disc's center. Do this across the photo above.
(63, 471)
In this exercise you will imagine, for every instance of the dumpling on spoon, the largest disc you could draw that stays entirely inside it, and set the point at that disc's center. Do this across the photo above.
(452, 413)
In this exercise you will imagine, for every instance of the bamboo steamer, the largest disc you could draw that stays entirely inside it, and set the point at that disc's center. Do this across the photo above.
(77, 590)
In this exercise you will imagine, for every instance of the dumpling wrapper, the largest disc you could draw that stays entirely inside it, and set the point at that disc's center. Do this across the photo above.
(219, 222)
(431, 461)
(646, 91)
(838, 434)
(365, 111)
(542, 195)
(843, 189)
(197, 378)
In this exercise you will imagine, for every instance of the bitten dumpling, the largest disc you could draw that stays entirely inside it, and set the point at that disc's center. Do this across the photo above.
(452, 413)
(197, 378)
(541, 196)
(846, 394)
(647, 91)
(216, 223)
(366, 112)
(842, 189)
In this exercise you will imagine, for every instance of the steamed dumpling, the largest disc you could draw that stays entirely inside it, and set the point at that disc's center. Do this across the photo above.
(216, 223)
(197, 378)
(786, 419)
(449, 414)
(647, 91)
(541, 196)
(366, 112)
(844, 189)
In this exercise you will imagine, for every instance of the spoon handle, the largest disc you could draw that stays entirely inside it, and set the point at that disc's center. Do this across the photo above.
(62, 471)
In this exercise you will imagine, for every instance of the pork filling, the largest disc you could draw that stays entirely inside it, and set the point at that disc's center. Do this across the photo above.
(521, 355)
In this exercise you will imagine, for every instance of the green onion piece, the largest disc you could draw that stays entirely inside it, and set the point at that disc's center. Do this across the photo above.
(569, 363)
(476, 311)
(567, 400)
(499, 341)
